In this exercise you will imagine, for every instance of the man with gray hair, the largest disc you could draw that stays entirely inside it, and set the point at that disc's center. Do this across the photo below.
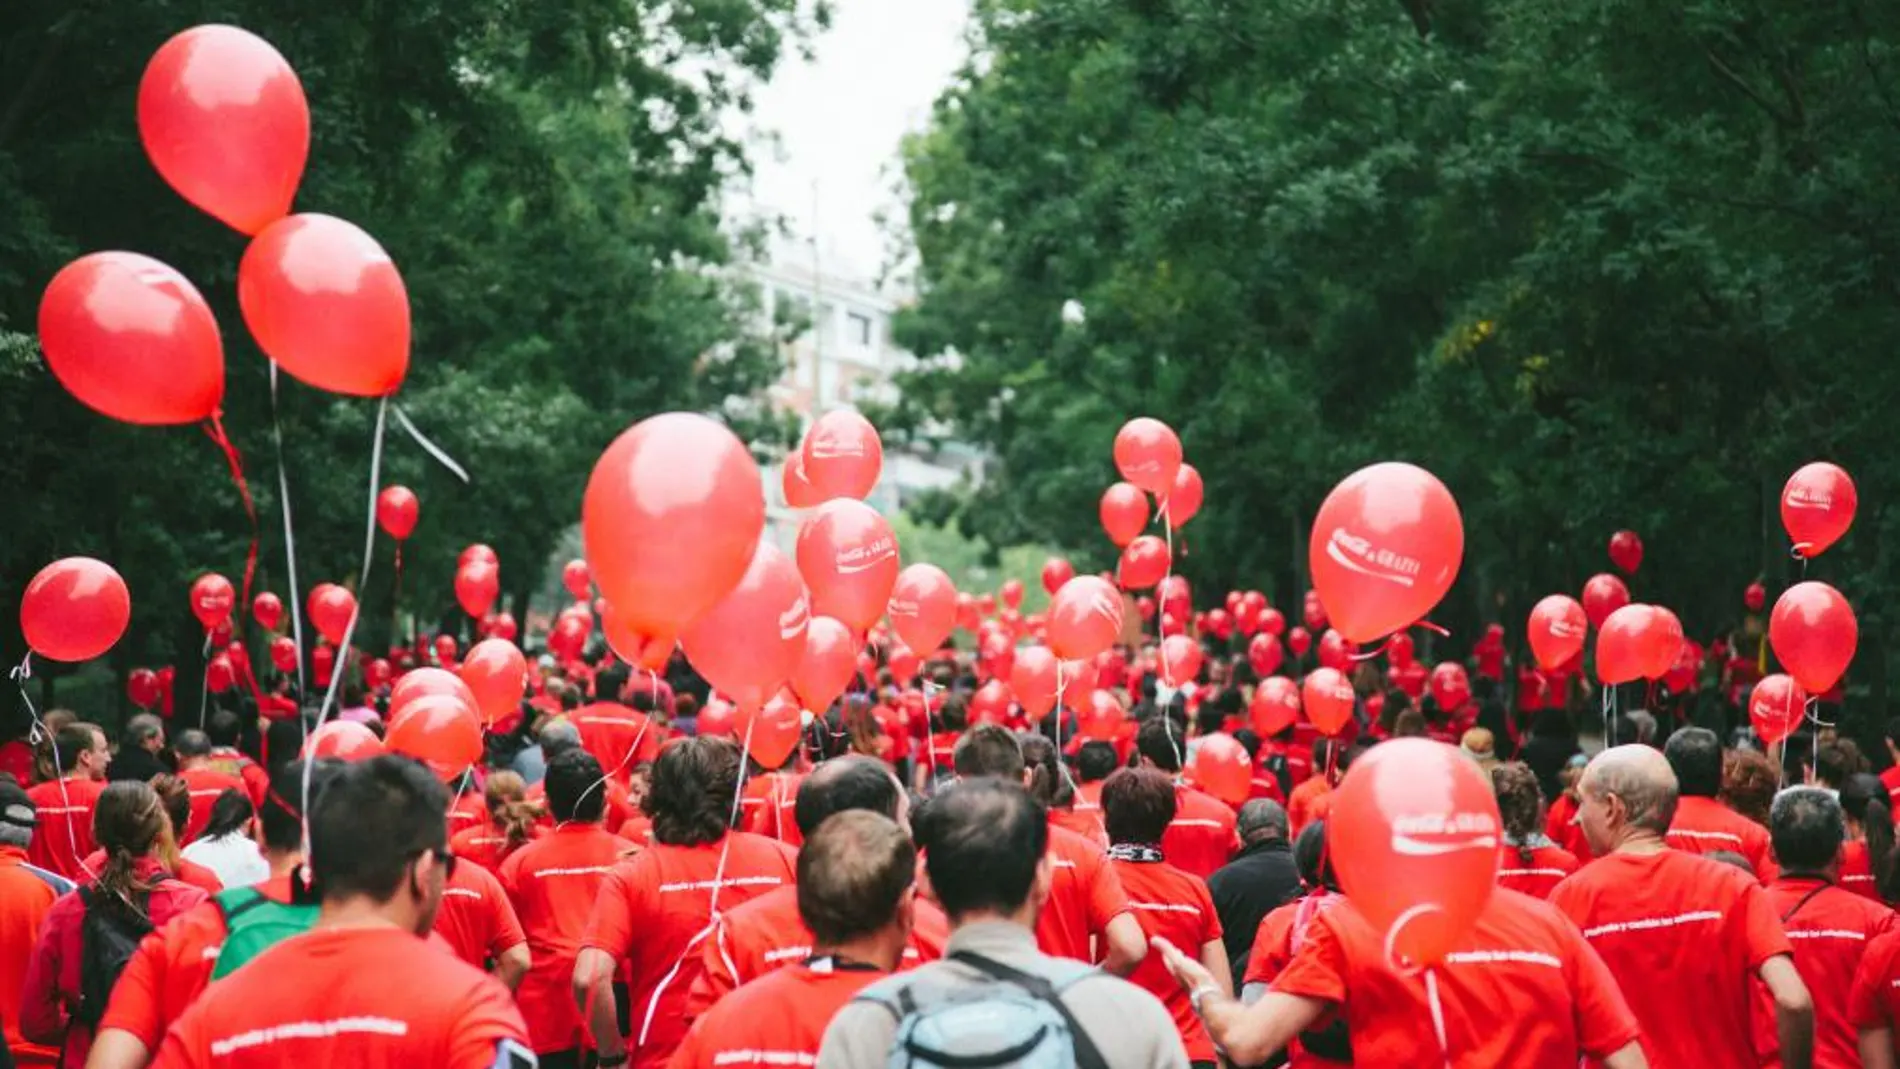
(1683, 935)
(141, 750)
(1257, 881)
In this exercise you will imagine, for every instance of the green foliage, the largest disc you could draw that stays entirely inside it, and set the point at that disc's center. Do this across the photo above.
(1596, 265)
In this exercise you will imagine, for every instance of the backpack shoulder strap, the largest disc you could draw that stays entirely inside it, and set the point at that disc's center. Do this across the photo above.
(234, 902)
(1087, 1056)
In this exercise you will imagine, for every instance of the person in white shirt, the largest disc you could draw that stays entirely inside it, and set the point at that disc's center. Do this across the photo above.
(228, 846)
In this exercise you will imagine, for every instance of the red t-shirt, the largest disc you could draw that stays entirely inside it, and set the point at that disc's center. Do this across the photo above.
(62, 838)
(618, 736)
(767, 806)
(232, 763)
(1857, 871)
(475, 917)
(1891, 778)
(469, 810)
(773, 1022)
(430, 1008)
(1201, 837)
(1560, 824)
(1084, 822)
(1310, 801)
(1522, 989)
(1536, 875)
(1684, 935)
(204, 785)
(487, 845)
(1874, 1000)
(655, 910)
(552, 883)
(24, 901)
(1176, 906)
(1281, 934)
(1084, 895)
(1703, 825)
(767, 934)
(1830, 930)
(638, 830)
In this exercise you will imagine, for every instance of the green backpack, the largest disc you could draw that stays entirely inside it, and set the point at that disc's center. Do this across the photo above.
(254, 923)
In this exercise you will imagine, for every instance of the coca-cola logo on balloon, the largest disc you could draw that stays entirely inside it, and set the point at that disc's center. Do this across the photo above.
(826, 447)
(1807, 497)
(865, 557)
(1565, 629)
(1360, 555)
(1434, 834)
(793, 621)
(903, 607)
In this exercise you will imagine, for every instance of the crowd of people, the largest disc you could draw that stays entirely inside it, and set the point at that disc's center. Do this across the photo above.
(918, 885)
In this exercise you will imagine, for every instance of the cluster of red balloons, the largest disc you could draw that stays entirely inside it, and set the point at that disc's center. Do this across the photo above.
(433, 717)
(477, 580)
(1148, 456)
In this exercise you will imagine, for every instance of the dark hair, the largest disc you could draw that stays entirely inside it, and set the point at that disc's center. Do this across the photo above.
(844, 784)
(192, 743)
(853, 870)
(229, 814)
(610, 683)
(72, 741)
(1806, 828)
(983, 839)
(574, 788)
(1138, 805)
(1095, 760)
(694, 782)
(1410, 724)
(372, 821)
(1837, 760)
(282, 823)
(224, 728)
(989, 750)
(1520, 804)
(952, 715)
(175, 793)
(1159, 740)
(1865, 798)
(1047, 778)
(141, 728)
(1696, 756)
(283, 741)
(1313, 860)
(129, 824)
(1210, 717)
(505, 796)
(1749, 783)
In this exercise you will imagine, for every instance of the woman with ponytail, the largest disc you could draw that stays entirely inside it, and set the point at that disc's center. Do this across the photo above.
(88, 936)
(512, 823)
(1529, 862)
(1869, 832)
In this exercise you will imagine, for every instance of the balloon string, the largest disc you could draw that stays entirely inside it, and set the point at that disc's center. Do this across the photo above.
(204, 691)
(1438, 1014)
(214, 427)
(429, 447)
(601, 783)
(930, 728)
(21, 674)
(290, 550)
(1067, 776)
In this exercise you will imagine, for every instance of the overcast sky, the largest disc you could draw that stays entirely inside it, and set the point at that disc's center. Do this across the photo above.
(839, 119)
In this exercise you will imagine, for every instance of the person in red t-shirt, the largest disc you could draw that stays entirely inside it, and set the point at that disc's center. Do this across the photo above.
(1312, 800)
(1869, 833)
(513, 822)
(656, 908)
(1829, 927)
(1094, 761)
(174, 964)
(558, 737)
(26, 894)
(226, 731)
(204, 783)
(553, 883)
(1528, 862)
(855, 895)
(1202, 837)
(1890, 776)
(1701, 823)
(766, 807)
(1137, 805)
(361, 987)
(1086, 916)
(1683, 934)
(1874, 1002)
(477, 920)
(65, 805)
(1282, 934)
(1055, 787)
(766, 933)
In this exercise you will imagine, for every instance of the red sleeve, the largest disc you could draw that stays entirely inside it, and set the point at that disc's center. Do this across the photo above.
(1210, 920)
(1269, 954)
(42, 1015)
(611, 926)
(257, 781)
(1761, 927)
(1319, 971)
(504, 928)
(1107, 900)
(135, 1006)
(1604, 1022)
(486, 1019)
(1867, 1004)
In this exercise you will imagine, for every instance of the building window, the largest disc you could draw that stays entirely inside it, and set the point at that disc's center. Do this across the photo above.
(827, 383)
(859, 330)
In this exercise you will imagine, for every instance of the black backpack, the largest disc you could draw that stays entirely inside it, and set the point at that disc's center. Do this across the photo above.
(108, 938)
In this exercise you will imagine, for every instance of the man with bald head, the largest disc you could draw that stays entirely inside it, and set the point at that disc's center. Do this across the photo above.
(1683, 934)
(767, 933)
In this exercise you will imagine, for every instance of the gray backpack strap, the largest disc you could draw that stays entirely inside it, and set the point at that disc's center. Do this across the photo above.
(1087, 1056)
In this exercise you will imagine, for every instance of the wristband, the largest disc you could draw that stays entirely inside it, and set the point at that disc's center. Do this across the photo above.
(1199, 994)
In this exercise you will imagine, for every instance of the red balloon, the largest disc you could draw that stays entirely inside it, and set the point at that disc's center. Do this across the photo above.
(1626, 551)
(716, 719)
(577, 579)
(1100, 718)
(986, 604)
(750, 642)
(672, 516)
(1033, 678)
(397, 511)
(327, 304)
(1334, 651)
(797, 489)
(1012, 593)
(132, 339)
(1075, 679)
(1665, 644)
(1603, 595)
(1626, 643)
(211, 600)
(240, 659)
(322, 664)
(1685, 673)
(1414, 836)
(1085, 618)
(283, 654)
(923, 607)
(445, 650)
(968, 616)
(1327, 696)
(1313, 612)
(1275, 706)
(477, 552)
(220, 674)
(429, 682)
(1174, 596)
(141, 687)
(224, 120)
(440, 730)
(1055, 572)
(1145, 606)
(1272, 622)
(1124, 512)
(1557, 629)
(1299, 641)
(1776, 707)
(903, 663)
(504, 627)
(990, 703)
(1223, 769)
(1399, 650)
(1180, 660)
(268, 610)
(1148, 454)
(1386, 546)
(1450, 686)
(1264, 654)
(497, 674)
(74, 610)
(377, 673)
(1144, 563)
(771, 734)
(1220, 623)
(477, 585)
(827, 664)
(1817, 507)
(343, 740)
(842, 455)
(1184, 499)
(1814, 634)
(1754, 597)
